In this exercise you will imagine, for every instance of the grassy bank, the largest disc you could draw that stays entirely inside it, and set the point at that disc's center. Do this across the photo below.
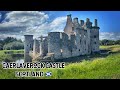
(99, 68)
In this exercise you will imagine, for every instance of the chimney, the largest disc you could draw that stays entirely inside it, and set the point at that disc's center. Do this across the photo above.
(69, 19)
(87, 20)
(75, 20)
(81, 22)
(95, 22)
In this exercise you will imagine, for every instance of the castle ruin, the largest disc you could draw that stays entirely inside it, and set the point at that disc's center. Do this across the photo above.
(78, 38)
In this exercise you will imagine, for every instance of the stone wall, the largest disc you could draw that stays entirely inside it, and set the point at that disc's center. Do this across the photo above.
(54, 44)
(36, 47)
(95, 39)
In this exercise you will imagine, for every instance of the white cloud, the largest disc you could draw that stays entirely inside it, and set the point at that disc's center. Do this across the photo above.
(19, 23)
(58, 24)
(110, 35)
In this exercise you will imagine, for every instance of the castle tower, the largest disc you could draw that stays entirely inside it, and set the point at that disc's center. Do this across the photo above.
(95, 37)
(68, 28)
(28, 46)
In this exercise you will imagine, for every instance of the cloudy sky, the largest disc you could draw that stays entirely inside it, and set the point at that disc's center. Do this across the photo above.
(20, 23)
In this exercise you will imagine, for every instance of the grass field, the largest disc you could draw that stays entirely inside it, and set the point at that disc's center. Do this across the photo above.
(98, 68)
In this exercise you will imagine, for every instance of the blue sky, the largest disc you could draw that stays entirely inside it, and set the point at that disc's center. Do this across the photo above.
(19, 23)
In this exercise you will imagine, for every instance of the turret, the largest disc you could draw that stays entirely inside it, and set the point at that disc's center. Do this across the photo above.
(68, 28)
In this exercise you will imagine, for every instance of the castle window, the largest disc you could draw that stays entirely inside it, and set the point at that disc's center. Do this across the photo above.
(80, 40)
(61, 50)
(80, 35)
(94, 36)
(84, 36)
(79, 49)
(95, 42)
(30, 46)
(85, 42)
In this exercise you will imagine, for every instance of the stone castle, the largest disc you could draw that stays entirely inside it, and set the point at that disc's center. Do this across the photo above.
(78, 38)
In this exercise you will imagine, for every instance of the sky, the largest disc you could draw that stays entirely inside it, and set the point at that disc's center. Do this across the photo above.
(19, 23)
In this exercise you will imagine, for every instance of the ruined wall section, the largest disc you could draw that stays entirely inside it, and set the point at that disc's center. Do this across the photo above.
(73, 45)
(54, 44)
(61, 45)
(88, 40)
(81, 41)
(36, 47)
(95, 37)
(65, 44)
(45, 46)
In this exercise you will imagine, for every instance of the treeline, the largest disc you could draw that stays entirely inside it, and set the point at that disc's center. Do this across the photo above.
(109, 42)
(11, 43)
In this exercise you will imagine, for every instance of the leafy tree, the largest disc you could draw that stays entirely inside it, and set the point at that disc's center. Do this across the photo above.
(14, 46)
(9, 39)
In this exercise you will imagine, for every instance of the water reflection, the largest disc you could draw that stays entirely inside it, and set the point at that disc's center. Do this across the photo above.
(20, 61)
(27, 58)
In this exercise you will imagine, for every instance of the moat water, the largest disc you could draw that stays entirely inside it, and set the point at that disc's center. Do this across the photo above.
(20, 61)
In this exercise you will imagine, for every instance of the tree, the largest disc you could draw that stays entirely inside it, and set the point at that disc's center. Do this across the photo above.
(14, 46)
(9, 39)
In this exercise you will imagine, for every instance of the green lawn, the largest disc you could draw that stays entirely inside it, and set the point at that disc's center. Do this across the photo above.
(99, 68)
